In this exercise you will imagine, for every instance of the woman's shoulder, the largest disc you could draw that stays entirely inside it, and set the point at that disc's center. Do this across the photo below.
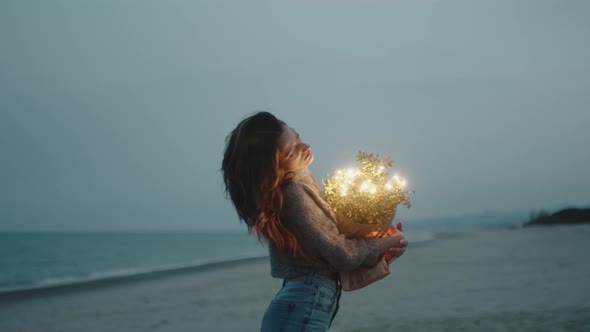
(305, 195)
(296, 188)
(303, 179)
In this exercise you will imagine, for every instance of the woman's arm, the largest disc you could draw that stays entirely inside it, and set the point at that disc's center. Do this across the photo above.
(319, 236)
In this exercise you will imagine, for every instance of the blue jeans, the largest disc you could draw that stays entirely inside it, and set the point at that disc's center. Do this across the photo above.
(309, 304)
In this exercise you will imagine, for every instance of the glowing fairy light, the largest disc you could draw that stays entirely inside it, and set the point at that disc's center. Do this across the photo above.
(365, 194)
(365, 186)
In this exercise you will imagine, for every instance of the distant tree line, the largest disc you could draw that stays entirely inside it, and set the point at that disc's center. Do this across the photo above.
(568, 216)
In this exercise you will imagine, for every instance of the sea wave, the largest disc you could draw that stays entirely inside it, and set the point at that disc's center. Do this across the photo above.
(415, 237)
(423, 236)
(128, 273)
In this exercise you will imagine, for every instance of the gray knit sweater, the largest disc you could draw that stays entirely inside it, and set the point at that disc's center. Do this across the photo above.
(306, 213)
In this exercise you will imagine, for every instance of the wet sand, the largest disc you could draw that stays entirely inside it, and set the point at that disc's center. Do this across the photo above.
(532, 279)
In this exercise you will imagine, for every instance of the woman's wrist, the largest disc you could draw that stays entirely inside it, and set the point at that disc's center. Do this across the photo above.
(393, 242)
(383, 244)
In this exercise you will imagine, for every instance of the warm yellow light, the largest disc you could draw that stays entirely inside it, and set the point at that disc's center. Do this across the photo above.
(365, 186)
(366, 194)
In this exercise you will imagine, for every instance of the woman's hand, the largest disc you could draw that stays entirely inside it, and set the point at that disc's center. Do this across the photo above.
(398, 248)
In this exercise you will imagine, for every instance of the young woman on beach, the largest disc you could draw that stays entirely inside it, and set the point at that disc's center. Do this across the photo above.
(265, 170)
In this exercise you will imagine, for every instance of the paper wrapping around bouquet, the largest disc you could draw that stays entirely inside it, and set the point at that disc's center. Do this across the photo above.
(352, 229)
(364, 276)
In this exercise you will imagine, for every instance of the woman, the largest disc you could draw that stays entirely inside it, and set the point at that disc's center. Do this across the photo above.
(266, 176)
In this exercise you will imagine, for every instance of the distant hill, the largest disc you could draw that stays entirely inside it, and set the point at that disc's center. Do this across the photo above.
(485, 220)
(569, 216)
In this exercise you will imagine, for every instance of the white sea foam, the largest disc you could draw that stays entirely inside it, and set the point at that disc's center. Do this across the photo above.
(419, 236)
(66, 259)
(125, 273)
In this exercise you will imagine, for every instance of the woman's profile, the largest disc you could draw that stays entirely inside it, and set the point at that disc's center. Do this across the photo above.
(266, 176)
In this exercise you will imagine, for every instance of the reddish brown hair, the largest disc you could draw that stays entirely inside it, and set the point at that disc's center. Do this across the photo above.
(253, 179)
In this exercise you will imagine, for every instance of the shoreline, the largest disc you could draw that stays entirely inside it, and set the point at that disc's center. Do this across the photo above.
(531, 279)
(58, 289)
(80, 283)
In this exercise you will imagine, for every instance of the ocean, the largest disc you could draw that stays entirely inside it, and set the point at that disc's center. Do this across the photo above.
(42, 260)
(38, 260)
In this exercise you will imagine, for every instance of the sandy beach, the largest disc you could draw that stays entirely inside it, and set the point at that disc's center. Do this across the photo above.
(532, 279)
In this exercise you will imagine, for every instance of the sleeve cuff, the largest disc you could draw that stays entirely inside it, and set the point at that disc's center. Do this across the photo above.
(372, 253)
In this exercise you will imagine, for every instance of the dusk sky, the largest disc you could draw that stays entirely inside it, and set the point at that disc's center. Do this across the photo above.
(113, 114)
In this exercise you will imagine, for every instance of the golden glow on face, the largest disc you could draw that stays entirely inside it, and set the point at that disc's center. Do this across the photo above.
(294, 154)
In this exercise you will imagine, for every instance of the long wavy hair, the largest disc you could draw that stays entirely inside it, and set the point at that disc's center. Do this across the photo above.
(253, 179)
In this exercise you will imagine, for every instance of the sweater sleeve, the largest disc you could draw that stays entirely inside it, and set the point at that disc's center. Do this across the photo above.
(319, 235)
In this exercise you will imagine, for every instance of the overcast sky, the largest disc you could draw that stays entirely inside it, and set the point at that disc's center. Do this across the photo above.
(114, 113)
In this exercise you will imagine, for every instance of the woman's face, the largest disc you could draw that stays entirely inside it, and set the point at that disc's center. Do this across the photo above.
(294, 154)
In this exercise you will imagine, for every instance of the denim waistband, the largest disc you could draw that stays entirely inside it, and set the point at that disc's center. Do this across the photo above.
(316, 279)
